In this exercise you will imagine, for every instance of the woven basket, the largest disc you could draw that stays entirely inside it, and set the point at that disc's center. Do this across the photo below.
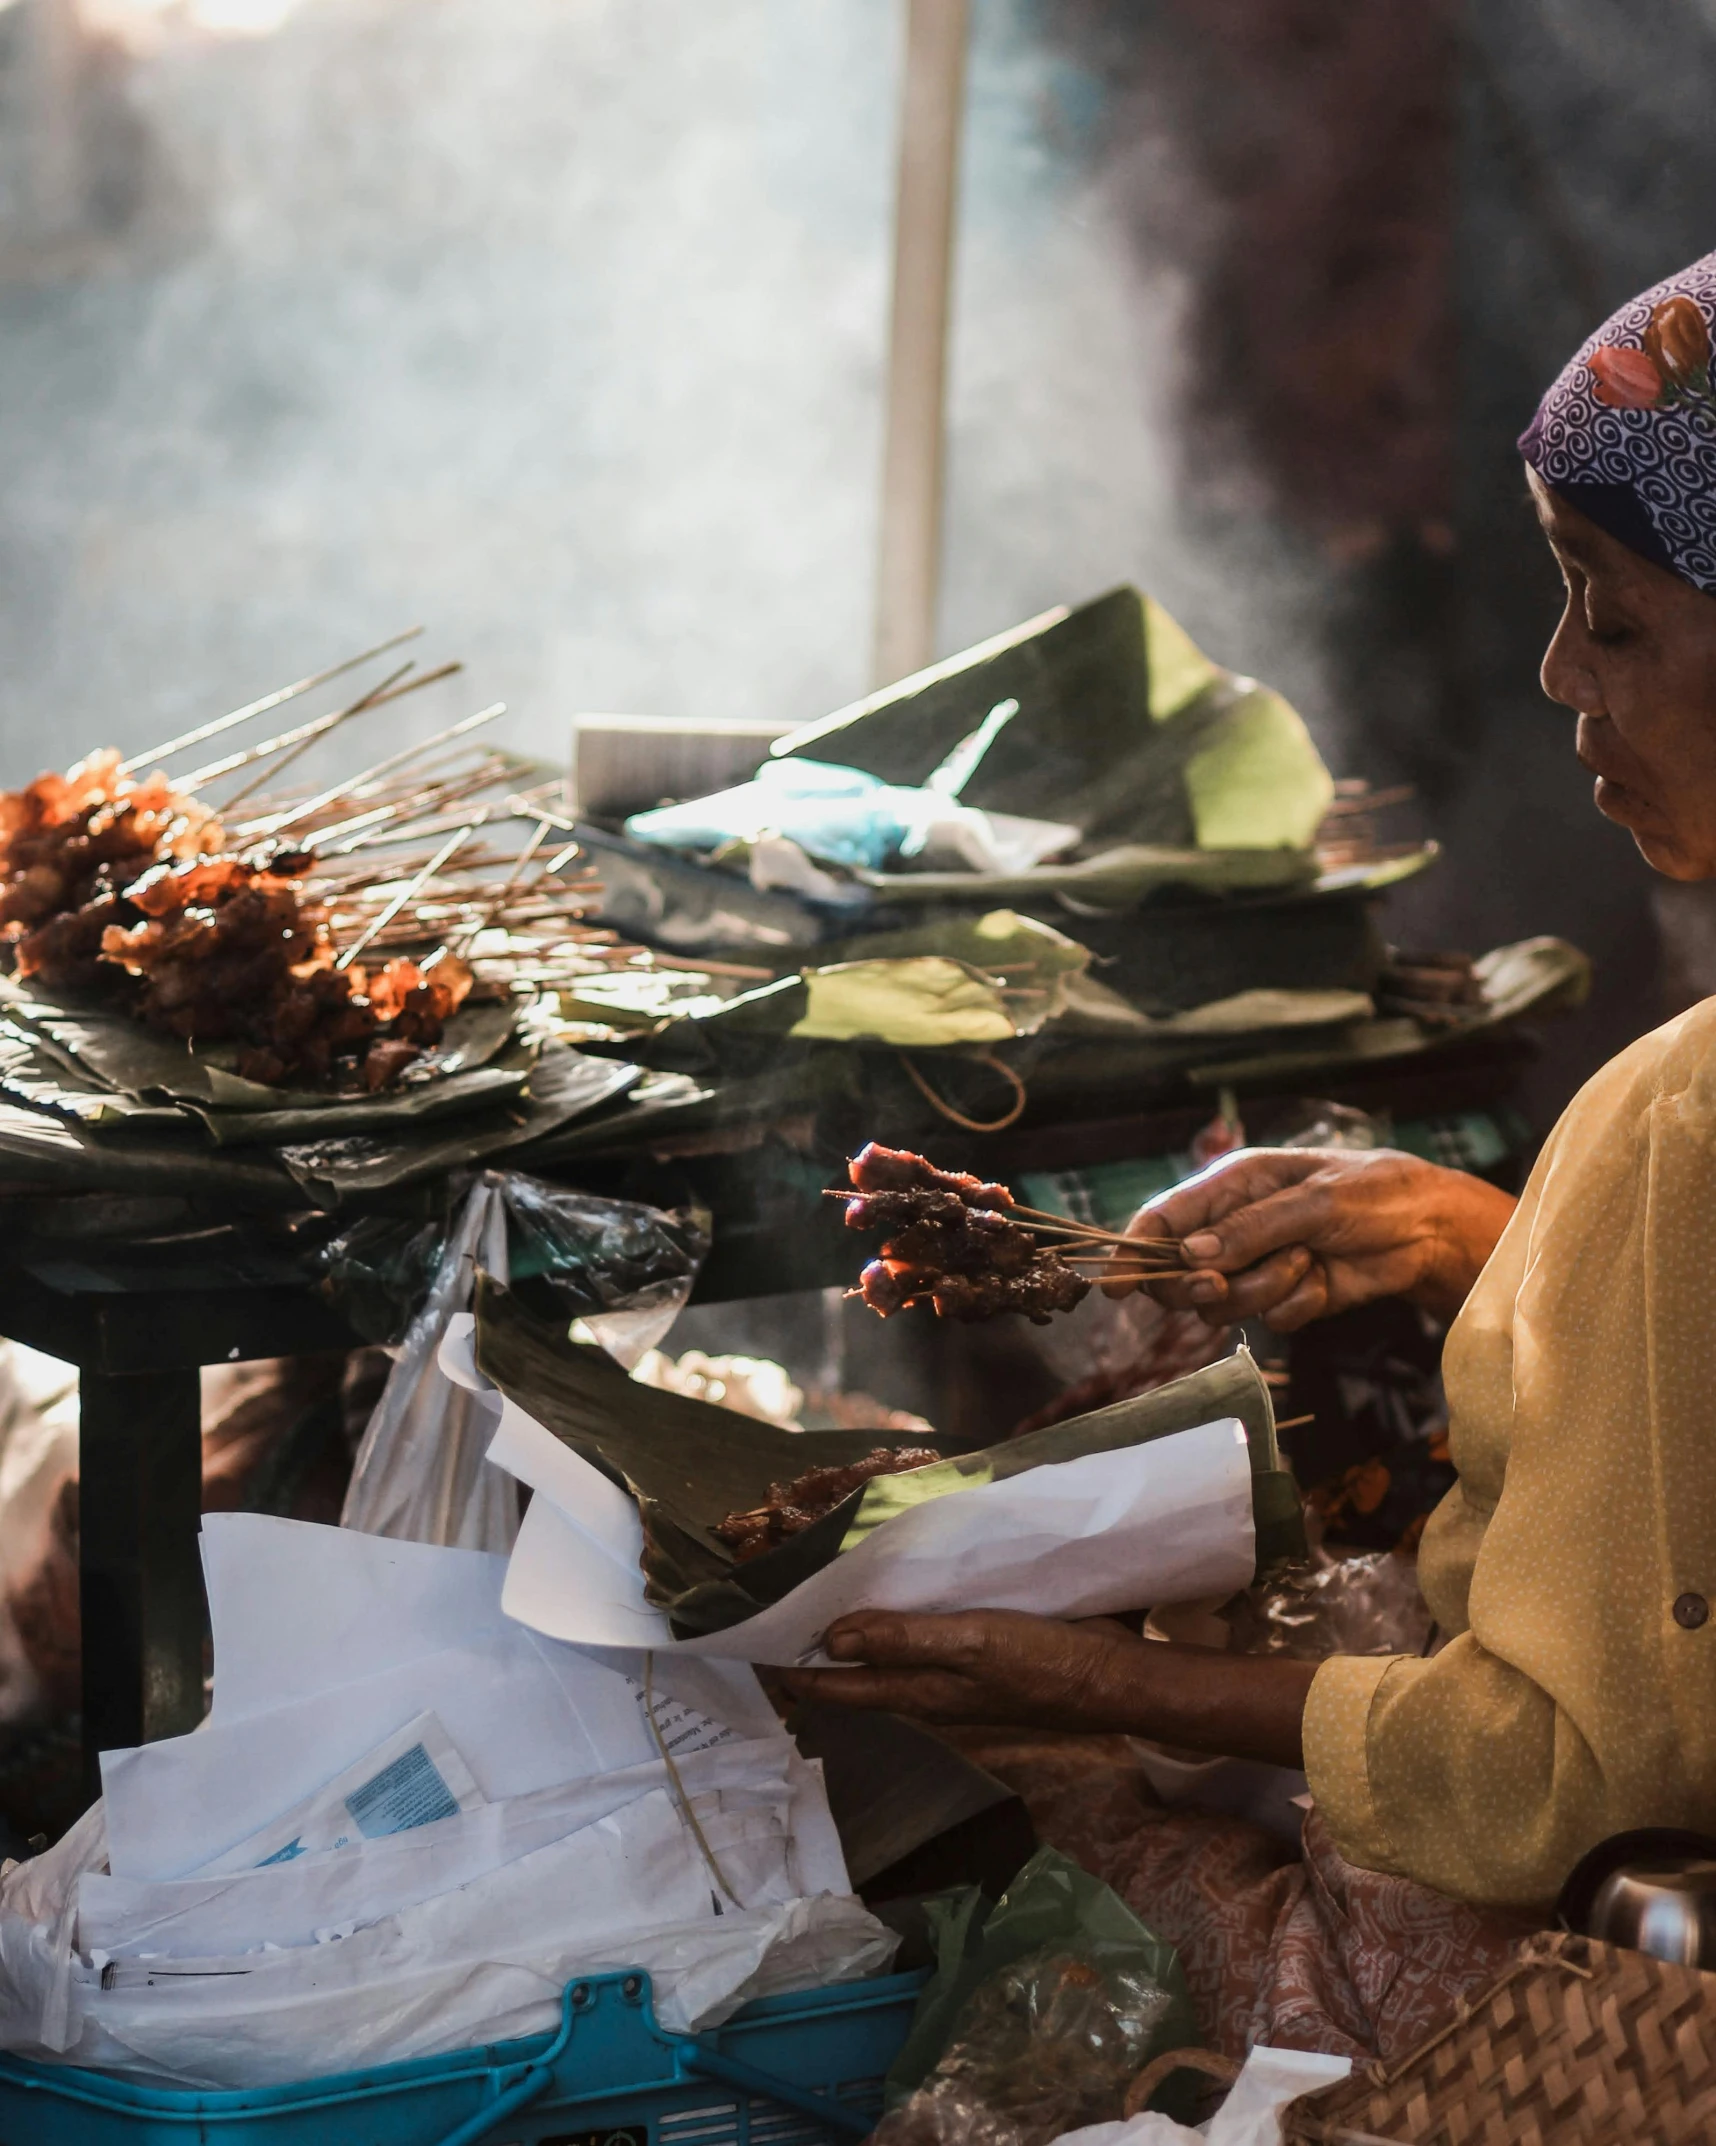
(1577, 2041)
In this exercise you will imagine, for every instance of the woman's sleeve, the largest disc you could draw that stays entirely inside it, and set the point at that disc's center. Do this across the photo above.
(1458, 1771)
(1580, 1699)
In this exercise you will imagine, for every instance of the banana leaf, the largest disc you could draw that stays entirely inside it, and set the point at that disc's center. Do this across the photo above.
(1124, 728)
(689, 1464)
(43, 1153)
(1115, 878)
(33, 1071)
(109, 1048)
(47, 1080)
(564, 1085)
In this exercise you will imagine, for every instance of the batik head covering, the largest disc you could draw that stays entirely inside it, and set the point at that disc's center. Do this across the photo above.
(1627, 434)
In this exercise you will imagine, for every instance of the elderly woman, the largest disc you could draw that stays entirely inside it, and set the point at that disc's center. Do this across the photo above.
(1575, 1560)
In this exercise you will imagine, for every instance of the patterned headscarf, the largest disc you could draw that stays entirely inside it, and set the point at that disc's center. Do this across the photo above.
(1627, 434)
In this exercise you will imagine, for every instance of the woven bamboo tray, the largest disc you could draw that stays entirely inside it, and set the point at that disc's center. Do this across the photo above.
(1577, 2041)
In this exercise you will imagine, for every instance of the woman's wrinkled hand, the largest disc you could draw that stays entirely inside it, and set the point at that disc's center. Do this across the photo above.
(993, 1667)
(1289, 1235)
(1003, 1669)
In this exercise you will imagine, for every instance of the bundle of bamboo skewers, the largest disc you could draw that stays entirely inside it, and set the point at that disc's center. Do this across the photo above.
(411, 853)
(328, 931)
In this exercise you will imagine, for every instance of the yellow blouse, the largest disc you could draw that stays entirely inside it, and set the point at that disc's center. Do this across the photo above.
(1576, 1557)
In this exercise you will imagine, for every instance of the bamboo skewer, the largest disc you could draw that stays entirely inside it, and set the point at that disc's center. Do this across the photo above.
(261, 707)
(379, 699)
(304, 735)
(387, 860)
(498, 907)
(1088, 1229)
(1103, 1244)
(277, 822)
(399, 901)
(372, 829)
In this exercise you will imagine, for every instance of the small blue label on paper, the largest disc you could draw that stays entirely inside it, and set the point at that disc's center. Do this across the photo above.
(406, 1793)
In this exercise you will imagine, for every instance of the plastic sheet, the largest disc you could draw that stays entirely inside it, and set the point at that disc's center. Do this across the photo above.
(623, 1268)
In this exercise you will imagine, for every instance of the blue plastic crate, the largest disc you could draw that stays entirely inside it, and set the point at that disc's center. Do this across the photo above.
(801, 2070)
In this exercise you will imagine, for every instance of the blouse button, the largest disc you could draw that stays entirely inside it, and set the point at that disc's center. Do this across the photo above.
(1690, 1611)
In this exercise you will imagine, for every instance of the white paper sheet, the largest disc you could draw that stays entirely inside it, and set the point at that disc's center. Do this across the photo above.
(1163, 1522)
(592, 1506)
(173, 1805)
(298, 1610)
(294, 1608)
(726, 1692)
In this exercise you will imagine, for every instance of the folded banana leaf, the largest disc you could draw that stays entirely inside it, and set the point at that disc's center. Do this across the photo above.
(44, 1079)
(36, 1073)
(107, 1048)
(1115, 878)
(689, 1464)
(565, 1085)
(43, 1153)
(1124, 728)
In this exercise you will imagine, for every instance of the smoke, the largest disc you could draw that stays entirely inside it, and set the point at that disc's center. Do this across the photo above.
(553, 323)
(559, 325)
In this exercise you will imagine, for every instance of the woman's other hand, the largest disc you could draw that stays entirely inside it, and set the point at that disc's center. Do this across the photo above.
(1001, 1668)
(989, 1666)
(1289, 1235)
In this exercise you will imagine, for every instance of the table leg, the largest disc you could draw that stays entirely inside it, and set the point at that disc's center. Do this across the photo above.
(140, 1583)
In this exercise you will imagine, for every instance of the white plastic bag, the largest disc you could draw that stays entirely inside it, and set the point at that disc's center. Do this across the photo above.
(484, 1961)
(1250, 2116)
(419, 1472)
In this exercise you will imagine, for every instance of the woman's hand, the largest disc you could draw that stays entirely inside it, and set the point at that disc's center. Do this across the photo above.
(1293, 1234)
(1002, 1668)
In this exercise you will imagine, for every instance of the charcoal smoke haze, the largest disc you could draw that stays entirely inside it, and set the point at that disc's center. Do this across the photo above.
(556, 324)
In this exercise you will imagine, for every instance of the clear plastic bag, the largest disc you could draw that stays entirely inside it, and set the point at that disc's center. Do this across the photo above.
(1047, 2044)
(419, 1474)
(1369, 1604)
(1040, 2013)
(625, 1269)
(378, 1272)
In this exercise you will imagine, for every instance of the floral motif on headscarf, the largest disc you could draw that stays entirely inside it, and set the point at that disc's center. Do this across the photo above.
(1627, 434)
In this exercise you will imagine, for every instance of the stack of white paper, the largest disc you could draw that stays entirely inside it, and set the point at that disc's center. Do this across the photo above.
(407, 1823)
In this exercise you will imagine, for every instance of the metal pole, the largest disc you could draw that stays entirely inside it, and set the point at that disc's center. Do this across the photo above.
(909, 560)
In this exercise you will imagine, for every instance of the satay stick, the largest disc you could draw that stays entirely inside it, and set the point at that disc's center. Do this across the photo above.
(447, 849)
(1110, 1236)
(280, 821)
(1035, 1220)
(378, 699)
(261, 707)
(296, 741)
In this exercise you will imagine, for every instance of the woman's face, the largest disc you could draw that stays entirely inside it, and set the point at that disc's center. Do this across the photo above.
(1635, 657)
